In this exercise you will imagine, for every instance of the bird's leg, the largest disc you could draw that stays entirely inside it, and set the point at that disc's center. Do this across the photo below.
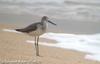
(35, 42)
(37, 46)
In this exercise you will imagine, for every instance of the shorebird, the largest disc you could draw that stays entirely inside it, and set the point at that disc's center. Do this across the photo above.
(36, 30)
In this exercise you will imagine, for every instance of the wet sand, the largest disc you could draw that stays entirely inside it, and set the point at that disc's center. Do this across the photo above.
(14, 47)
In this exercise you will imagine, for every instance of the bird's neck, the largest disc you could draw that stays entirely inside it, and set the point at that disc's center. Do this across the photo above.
(44, 24)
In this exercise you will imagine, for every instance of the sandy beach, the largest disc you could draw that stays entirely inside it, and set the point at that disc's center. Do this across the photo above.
(13, 47)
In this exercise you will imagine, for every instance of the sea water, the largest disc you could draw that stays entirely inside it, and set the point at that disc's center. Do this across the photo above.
(83, 43)
(71, 16)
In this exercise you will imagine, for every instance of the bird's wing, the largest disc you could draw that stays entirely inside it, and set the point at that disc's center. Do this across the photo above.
(29, 28)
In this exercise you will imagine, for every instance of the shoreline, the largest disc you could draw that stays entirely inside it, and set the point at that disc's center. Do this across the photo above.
(13, 46)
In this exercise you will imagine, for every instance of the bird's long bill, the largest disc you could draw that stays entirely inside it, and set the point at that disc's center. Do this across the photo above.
(51, 22)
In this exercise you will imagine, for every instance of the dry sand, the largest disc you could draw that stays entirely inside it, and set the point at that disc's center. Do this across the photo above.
(13, 47)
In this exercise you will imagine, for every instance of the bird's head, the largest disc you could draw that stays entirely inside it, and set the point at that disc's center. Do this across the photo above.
(45, 18)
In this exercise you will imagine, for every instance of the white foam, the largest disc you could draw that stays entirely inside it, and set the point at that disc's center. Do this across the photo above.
(83, 43)
(93, 57)
(9, 30)
(42, 43)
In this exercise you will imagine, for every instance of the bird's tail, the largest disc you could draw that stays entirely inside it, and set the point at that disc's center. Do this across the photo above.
(20, 30)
